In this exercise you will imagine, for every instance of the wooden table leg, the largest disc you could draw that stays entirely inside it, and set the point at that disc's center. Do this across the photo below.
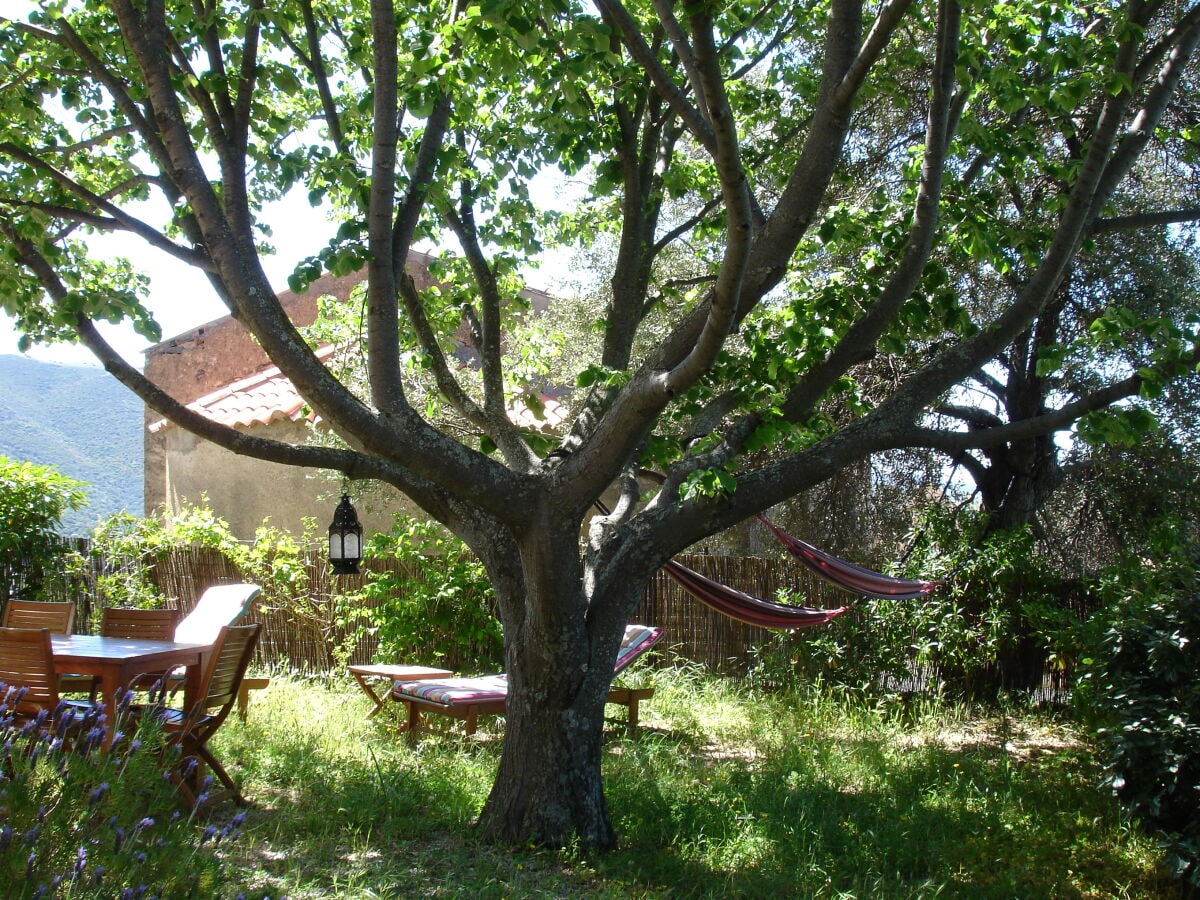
(370, 692)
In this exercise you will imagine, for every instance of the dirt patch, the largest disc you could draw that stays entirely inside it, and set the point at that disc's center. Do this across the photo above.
(1023, 740)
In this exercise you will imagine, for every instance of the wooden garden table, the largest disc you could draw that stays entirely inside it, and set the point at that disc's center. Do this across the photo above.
(116, 663)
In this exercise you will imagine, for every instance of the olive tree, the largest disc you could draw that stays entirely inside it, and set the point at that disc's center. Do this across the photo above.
(826, 170)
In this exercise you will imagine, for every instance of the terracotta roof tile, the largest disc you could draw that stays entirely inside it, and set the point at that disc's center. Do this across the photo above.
(258, 399)
(269, 396)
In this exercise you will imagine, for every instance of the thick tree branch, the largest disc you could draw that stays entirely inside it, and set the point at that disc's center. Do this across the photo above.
(1135, 221)
(384, 271)
(683, 52)
(496, 420)
(960, 360)
(645, 57)
(1146, 120)
(809, 179)
(886, 22)
(971, 415)
(735, 196)
(858, 343)
(953, 442)
(247, 77)
(401, 434)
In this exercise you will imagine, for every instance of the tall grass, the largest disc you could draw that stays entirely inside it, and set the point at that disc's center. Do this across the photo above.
(724, 792)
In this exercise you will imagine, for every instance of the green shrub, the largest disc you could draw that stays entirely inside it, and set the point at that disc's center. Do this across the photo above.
(33, 500)
(1145, 693)
(439, 607)
(1001, 616)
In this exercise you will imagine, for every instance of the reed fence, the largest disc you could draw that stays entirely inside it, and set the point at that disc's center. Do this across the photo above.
(307, 641)
(302, 632)
(309, 634)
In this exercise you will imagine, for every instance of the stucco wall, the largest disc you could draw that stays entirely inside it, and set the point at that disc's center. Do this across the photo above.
(195, 363)
(180, 467)
(245, 492)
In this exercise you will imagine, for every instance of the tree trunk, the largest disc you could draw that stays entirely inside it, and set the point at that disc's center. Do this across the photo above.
(1021, 477)
(560, 645)
(549, 788)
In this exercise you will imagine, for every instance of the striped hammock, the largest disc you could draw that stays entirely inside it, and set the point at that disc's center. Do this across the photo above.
(766, 614)
(746, 607)
(846, 575)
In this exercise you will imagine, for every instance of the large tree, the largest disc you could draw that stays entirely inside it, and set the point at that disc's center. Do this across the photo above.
(1107, 316)
(825, 170)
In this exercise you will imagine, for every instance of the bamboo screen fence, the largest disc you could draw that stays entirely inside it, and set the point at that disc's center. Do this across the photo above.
(303, 633)
(307, 641)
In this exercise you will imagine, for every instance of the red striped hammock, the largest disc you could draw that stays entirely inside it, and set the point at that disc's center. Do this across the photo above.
(764, 613)
(846, 575)
(746, 607)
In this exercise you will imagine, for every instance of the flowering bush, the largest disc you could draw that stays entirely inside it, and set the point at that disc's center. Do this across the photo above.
(81, 821)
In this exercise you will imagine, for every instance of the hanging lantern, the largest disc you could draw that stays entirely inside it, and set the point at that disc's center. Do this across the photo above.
(345, 539)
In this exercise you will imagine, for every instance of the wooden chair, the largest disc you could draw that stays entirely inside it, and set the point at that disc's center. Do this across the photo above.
(218, 606)
(134, 624)
(27, 672)
(139, 624)
(193, 728)
(57, 617)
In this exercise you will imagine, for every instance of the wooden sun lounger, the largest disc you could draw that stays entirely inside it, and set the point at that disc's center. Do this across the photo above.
(470, 698)
(470, 712)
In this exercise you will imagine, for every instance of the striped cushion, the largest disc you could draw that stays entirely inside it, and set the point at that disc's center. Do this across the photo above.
(465, 691)
(638, 639)
(454, 691)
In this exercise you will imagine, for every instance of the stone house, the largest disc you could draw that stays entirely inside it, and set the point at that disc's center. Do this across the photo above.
(219, 370)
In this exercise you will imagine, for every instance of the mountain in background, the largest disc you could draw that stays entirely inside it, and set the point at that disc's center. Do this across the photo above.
(83, 422)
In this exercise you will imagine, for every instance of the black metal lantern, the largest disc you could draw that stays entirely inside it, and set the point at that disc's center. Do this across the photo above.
(345, 539)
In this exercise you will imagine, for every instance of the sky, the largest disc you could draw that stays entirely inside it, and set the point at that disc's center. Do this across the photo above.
(180, 297)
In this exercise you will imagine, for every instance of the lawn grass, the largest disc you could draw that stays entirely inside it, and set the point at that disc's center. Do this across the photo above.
(724, 792)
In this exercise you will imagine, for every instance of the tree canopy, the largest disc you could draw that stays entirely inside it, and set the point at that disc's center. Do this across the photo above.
(827, 220)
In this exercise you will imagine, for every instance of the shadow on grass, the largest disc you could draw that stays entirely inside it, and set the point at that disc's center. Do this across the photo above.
(864, 817)
(348, 809)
